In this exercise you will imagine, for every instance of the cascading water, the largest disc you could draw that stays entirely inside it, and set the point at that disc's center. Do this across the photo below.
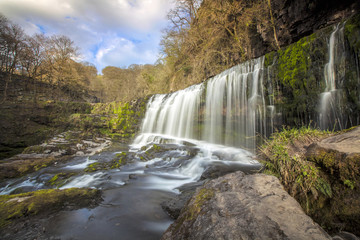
(229, 109)
(235, 106)
(330, 105)
(173, 114)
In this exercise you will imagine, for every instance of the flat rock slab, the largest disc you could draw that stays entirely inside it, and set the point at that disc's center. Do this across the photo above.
(239, 206)
(348, 142)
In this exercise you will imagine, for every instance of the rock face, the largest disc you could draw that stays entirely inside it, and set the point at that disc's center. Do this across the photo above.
(295, 19)
(239, 206)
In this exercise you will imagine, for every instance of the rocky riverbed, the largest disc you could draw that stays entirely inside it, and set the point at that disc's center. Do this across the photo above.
(137, 192)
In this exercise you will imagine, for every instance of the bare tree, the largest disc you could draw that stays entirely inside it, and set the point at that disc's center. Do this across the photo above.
(12, 44)
(34, 55)
(60, 52)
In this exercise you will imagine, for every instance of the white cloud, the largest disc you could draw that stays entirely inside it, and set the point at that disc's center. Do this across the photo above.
(121, 52)
(109, 32)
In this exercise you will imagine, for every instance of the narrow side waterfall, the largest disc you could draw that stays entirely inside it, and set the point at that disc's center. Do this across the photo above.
(331, 100)
(229, 109)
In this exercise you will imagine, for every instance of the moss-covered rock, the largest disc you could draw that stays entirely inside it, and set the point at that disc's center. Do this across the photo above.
(117, 120)
(60, 179)
(117, 162)
(322, 172)
(20, 206)
(297, 77)
(20, 166)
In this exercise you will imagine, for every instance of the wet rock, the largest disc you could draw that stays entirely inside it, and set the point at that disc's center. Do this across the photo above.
(345, 236)
(220, 169)
(15, 207)
(23, 216)
(239, 206)
(24, 163)
(173, 206)
(215, 171)
(59, 148)
(133, 176)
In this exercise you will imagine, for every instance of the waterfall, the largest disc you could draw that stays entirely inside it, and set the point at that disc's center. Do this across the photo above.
(235, 106)
(330, 105)
(173, 114)
(229, 109)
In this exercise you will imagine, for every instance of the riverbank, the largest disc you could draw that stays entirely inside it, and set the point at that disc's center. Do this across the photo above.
(319, 169)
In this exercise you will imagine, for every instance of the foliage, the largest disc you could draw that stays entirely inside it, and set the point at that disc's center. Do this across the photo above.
(298, 175)
(39, 57)
(211, 37)
(324, 180)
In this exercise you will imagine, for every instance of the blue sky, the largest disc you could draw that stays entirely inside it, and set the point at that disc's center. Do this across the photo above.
(108, 32)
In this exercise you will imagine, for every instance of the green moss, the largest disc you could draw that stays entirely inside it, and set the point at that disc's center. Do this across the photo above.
(296, 174)
(60, 179)
(269, 59)
(325, 183)
(326, 159)
(349, 183)
(54, 179)
(20, 205)
(94, 167)
(352, 33)
(342, 167)
(39, 166)
(34, 149)
(119, 160)
(296, 78)
(14, 169)
(156, 148)
(203, 196)
(194, 208)
(117, 120)
(294, 63)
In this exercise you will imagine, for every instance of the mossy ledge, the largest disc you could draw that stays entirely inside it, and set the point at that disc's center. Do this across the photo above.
(118, 120)
(20, 206)
(321, 175)
(19, 167)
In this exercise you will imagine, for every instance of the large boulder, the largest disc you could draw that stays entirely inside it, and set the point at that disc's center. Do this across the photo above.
(338, 159)
(239, 206)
